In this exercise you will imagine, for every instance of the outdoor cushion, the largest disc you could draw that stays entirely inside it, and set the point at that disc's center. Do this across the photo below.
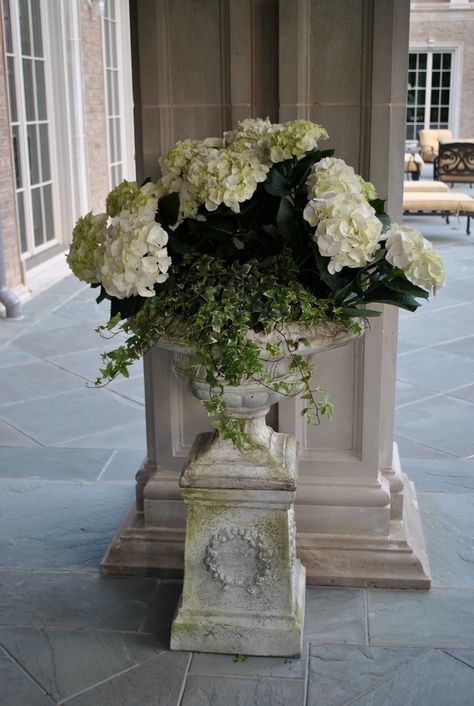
(425, 186)
(429, 142)
(437, 201)
(413, 162)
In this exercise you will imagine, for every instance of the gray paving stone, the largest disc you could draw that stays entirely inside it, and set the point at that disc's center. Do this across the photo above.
(67, 415)
(435, 370)
(81, 600)
(133, 388)
(443, 423)
(16, 687)
(12, 437)
(123, 466)
(466, 656)
(65, 662)
(411, 449)
(87, 363)
(440, 476)
(439, 326)
(447, 524)
(436, 618)
(33, 380)
(162, 608)
(335, 615)
(464, 393)
(11, 355)
(462, 347)
(54, 525)
(129, 436)
(434, 680)
(46, 344)
(407, 347)
(406, 393)
(156, 683)
(230, 691)
(340, 673)
(53, 463)
(224, 665)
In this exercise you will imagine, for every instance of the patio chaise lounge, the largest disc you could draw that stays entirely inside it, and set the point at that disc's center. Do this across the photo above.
(437, 201)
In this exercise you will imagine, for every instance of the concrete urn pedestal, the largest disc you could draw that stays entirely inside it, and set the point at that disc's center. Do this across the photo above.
(244, 587)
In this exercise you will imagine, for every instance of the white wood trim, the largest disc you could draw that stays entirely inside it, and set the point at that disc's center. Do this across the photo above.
(456, 76)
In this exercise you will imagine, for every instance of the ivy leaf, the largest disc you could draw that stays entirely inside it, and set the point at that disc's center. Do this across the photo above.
(168, 209)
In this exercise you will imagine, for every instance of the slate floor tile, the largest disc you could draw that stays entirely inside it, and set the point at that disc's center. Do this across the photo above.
(87, 363)
(436, 618)
(466, 656)
(229, 691)
(406, 393)
(225, 665)
(434, 680)
(440, 476)
(408, 448)
(87, 601)
(443, 423)
(340, 673)
(130, 436)
(424, 369)
(335, 615)
(17, 688)
(438, 326)
(133, 388)
(46, 344)
(463, 347)
(53, 463)
(162, 609)
(157, 682)
(32, 380)
(65, 662)
(464, 393)
(63, 525)
(12, 437)
(61, 417)
(123, 466)
(447, 524)
(11, 355)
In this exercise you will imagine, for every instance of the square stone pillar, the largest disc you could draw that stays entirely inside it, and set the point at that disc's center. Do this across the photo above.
(343, 65)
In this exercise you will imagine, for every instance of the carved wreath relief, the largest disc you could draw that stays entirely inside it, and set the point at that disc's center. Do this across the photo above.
(237, 557)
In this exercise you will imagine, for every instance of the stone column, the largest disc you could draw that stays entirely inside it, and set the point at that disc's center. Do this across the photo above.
(343, 65)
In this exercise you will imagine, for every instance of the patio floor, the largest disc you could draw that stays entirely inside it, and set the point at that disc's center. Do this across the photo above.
(67, 460)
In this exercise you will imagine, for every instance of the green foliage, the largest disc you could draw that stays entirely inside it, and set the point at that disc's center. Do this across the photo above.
(250, 271)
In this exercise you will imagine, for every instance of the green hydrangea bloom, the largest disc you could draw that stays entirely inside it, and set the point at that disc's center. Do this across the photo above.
(88, 235)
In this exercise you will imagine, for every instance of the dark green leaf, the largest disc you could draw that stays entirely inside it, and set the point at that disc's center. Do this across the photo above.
(168, 209)
(276, 183)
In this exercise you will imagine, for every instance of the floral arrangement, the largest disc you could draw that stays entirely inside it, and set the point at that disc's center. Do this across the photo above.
(244, 233)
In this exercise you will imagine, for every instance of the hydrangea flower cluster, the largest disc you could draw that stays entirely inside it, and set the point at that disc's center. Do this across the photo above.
(410, 252)
(227, 170)
(87, 238)
(348, 231)
(124, 250)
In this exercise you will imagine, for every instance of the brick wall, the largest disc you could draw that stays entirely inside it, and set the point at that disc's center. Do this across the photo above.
(94, 109)
(7, 190)
(456, 26)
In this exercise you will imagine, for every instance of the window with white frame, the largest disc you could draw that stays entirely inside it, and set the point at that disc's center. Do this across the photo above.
(113, 98)
(430, 91)
(30, 127)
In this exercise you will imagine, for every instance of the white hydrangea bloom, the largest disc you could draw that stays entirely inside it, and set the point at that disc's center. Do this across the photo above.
(294, 139)
(332, 175)
(348, 230)
(88, 234)
(133, 257)
(410, 252)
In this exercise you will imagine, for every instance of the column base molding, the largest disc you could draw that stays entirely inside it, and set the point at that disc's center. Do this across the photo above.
(398, 560)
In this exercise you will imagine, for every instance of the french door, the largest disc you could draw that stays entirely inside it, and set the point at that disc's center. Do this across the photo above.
(27, 68)
(430, 91)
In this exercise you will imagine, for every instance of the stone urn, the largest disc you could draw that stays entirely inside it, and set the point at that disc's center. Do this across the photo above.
(244, 587)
